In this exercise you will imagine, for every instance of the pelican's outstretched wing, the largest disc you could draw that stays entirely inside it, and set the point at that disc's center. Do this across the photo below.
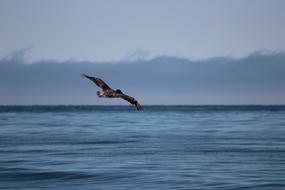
(99, 82)
(132, 101)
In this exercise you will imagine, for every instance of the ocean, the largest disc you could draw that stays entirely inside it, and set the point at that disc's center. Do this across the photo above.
(161, 147)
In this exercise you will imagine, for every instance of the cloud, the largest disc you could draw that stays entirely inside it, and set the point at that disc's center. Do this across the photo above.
(17, 56)
(256, 79)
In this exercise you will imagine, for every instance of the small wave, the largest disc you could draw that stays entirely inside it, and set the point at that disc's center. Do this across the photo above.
(21, 174)
(24, 174)
(104, 142)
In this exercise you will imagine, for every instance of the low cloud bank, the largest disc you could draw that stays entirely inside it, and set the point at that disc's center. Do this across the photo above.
(256, 79)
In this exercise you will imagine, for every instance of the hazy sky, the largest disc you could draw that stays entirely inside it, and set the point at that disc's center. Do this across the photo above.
(115, 30)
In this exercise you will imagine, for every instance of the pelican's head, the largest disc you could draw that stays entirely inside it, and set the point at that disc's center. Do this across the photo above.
(119, 91)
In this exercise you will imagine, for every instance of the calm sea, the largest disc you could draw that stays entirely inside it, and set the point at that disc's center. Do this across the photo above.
(161, 147)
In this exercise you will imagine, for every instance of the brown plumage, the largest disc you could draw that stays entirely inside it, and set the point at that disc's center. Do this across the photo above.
(110, 93)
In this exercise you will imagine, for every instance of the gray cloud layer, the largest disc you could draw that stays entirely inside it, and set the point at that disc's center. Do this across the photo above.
(256, 79)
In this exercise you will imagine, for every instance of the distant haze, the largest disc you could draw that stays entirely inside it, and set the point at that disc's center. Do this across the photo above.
(255, 79)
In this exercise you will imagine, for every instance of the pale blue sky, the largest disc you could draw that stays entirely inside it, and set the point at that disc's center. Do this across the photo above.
(114, 30)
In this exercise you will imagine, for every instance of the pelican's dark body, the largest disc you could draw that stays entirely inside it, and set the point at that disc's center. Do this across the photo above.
(110, 93)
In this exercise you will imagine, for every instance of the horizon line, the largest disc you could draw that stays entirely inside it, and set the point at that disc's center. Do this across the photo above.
(113, 105)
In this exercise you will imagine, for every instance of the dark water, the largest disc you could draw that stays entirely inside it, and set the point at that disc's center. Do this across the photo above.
(166, 147)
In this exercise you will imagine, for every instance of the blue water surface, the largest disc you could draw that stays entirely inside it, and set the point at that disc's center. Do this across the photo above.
(161, 147)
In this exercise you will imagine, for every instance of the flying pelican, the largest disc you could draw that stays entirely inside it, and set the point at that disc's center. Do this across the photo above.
(110, 93)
